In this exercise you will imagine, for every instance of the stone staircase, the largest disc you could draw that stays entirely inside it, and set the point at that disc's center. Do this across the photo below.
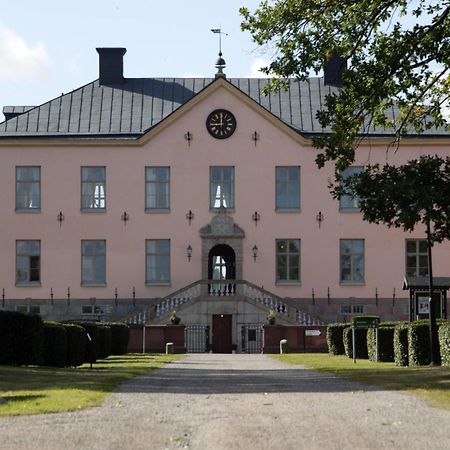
(160, 309)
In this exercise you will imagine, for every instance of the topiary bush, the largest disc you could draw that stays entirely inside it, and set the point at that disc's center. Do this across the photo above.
(91, 340)
(419, 343)
(104, 335)
(335, 338)
(120, 335)
(361, 342)
(444, 343)
(401, 345)
(76, 344)
(385, 343)
(54, 352)
(21, 338)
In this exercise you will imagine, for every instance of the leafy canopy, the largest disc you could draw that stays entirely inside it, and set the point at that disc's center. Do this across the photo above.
(398, 77)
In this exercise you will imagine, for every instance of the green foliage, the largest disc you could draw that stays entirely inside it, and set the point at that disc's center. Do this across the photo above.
(361, 343)
(104, 335)
(444, 342)
(400, 64)
(385, 343)
(419, 343)
(55, 345)
(92, 340)
(120, 335)
(335, 336)
(21, 338)
(401, 345)
(76, 344)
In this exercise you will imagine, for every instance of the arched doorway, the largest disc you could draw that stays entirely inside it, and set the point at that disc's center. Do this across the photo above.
(221, 263)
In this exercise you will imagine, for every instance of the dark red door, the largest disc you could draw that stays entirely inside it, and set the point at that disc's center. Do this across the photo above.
(222, 333)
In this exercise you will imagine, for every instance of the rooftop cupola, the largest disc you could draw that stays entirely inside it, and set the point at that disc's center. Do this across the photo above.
(111, 64)
(220, 65)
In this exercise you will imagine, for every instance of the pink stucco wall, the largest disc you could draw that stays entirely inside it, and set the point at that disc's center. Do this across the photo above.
(254, 191)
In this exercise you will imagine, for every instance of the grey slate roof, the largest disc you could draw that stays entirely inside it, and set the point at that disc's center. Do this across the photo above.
(135, 105)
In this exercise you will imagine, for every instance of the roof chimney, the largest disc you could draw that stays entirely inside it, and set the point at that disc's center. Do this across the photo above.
(111, 64)
(334, 69)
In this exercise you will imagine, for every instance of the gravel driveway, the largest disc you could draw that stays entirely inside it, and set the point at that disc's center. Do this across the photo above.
(214, 401)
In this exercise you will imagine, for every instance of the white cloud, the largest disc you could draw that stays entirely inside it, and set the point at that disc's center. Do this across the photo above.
(19, 60)
(255, 68)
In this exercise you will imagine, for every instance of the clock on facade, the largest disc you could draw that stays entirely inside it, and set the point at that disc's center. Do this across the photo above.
(221, 124)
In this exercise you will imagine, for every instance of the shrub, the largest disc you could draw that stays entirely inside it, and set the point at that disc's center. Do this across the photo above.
(21, 338)
(76, 344)
(120, 335)
(104, 336)
(361, 342)
(419, 343)
(55, 345)
(401, 345)
(335, 338)
(385, 343)
(444, 343)
(91, 340)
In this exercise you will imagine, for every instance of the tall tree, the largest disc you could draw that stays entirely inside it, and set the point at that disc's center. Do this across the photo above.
(398, 77)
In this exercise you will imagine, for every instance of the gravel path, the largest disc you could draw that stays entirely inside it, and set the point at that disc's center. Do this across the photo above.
(212, 401)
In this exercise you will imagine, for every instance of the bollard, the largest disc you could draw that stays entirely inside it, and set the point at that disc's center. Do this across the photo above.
(169, 348)
(283, 346)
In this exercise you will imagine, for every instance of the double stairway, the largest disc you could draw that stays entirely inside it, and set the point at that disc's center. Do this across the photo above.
(159, 309)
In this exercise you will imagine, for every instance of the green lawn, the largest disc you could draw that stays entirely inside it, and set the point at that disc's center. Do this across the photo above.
(431, 383)
(33, 390)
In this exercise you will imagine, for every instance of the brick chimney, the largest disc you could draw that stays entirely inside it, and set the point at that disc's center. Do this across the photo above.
(333, 70)
(111, 64)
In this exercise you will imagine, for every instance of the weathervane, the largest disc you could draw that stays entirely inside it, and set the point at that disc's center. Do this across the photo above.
(220, 63)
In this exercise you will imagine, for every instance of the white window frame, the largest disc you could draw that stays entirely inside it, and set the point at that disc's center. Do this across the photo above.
(91, 259)
(25, 187)
(284, 187)
(161, 188)
(416, 254)
(218, 187)
(27, 257)
(93, 191)
(350, 261)
(287, 254)
(348, 202)
(159, 261)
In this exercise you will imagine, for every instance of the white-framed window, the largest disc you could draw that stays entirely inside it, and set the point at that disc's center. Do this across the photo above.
(157, 261)
(348, 202)
(93, 262)
(93, 188)
(221, 187)
(28, 263)
(352, 309)
(288, 260)
(157, 188)
(28, 188)
(416, 258)
(287, 196)
(29, 309)
(352, 261)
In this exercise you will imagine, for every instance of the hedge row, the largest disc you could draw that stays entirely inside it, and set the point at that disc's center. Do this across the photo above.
(401, 342)
(27, 340)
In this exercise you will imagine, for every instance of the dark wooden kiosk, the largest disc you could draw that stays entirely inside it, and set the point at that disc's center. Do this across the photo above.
(418, 296)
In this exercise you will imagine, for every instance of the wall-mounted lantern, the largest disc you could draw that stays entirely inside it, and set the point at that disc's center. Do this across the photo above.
(188, 136)
(256, 217)
(60, 218)
(189, 216)
(125, 217)
(189, 251)
(255, 252)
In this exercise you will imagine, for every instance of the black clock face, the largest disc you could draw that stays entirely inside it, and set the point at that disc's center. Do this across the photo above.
(221, 124)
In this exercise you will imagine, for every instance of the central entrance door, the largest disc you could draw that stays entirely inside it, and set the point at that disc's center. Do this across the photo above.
(222, 333)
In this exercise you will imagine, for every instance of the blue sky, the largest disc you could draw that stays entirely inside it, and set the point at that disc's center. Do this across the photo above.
(48, 46)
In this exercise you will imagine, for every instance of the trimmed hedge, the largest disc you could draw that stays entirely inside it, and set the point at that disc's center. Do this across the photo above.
(401, 345)
(335, 338)
(419, 343)
(104, 346)
(92, 342)
(54, 352)
(385, 343)
(76, 344)
(21, 338)
(444, 343)
(361, 342)
(120, 335)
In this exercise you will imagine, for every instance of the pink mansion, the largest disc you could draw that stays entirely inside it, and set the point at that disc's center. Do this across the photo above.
(130, 197)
